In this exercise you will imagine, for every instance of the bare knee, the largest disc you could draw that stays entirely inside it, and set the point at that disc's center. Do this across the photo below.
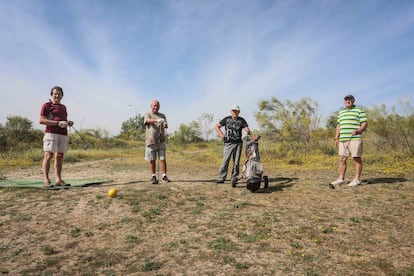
(48, 155)
(358, 160)
(343, 159)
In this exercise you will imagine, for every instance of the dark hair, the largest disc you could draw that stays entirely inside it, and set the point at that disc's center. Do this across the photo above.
(349, 97)
(57, 88)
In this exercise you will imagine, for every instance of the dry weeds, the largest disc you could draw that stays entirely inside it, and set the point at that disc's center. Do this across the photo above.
(192, 226)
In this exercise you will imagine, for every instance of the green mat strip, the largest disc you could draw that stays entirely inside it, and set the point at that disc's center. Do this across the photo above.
(29, 183)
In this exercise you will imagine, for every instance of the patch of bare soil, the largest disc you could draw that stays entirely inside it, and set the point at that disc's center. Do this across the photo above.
(193, 226)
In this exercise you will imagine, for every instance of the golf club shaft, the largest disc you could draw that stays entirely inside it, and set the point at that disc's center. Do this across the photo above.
(82, 138)
(159, 149)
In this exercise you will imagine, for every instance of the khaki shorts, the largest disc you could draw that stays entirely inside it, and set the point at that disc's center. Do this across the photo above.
(53, 142)
(353, 148)
(151, 152)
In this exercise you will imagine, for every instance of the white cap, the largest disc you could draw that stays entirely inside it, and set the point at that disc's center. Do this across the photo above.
(235, 107)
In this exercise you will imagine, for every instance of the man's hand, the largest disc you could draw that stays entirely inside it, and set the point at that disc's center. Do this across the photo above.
(63, 124)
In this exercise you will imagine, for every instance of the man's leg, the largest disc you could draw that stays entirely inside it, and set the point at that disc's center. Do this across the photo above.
(358, 167)
(58, 167)
(227, 153)
(46, 167)
(236, 158)
(163, 166)
(342, 166)
(150, 155)
(152, 166)
(343, 156)
(357, 148)
(162, 157)
(154, 179)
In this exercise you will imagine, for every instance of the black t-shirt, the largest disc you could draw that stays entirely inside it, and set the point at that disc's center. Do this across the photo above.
(233, 129)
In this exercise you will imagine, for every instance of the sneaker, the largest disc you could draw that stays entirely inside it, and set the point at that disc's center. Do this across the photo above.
(154, 180)
(338, 182)
(354, 183)
(220, 181)
(165, 179)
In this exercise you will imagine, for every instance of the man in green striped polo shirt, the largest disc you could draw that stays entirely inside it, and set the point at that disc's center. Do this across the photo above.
(352, 121)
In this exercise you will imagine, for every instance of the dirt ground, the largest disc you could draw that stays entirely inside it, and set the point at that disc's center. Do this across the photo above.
(193, 226)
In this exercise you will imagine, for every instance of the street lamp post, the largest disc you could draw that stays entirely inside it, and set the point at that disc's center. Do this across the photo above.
(136, 116)
(131, 105)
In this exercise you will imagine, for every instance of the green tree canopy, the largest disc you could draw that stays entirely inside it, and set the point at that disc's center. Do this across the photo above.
(289, 123)
(18, 133)
(187, 134)
(133, 128)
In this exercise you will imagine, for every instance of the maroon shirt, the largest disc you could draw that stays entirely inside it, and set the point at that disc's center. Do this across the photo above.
(55, 112)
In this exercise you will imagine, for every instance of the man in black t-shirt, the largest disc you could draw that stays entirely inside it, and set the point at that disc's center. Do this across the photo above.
(233, 144)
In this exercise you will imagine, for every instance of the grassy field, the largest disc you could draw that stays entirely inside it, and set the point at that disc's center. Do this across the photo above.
(193, 226)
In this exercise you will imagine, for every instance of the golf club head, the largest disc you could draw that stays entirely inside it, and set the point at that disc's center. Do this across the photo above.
(86, 145)
(331, 186)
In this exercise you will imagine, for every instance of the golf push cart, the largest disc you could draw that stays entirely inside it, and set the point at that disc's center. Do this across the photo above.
(252, 169)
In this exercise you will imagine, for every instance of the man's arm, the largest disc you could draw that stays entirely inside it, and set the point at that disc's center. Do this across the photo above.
(337, 132)
(247, 130)
(219, 131)
(45, 121)
(360, 129)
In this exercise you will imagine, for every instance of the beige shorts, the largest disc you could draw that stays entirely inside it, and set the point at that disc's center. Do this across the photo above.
(353, 148)
(151, 152)
(53, 142)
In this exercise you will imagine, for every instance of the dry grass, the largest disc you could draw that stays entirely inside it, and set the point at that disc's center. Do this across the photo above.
(193, 226)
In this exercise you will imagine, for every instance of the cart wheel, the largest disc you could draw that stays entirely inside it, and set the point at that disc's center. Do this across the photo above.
(266, 181)
(253, 185)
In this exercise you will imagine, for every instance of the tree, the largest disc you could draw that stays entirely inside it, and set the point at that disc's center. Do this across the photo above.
(205, 122)
(19, 129)
(133, 129)
(332, 121)
(18, 133)
(187, 134)
(392, 131)
(3, 139)
(289, 123)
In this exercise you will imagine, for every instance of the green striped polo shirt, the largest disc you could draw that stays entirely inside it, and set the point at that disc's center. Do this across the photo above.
(349, 120)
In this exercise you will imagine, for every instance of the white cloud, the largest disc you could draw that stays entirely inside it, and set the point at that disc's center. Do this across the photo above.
(200, 57)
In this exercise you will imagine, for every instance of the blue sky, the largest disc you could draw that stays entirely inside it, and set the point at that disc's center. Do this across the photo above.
(113, 57)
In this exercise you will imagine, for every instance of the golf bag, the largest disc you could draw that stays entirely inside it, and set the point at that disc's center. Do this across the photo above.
(252, 169)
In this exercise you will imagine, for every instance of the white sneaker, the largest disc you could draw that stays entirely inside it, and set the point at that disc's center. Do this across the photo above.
(338, 182)
(354, 183)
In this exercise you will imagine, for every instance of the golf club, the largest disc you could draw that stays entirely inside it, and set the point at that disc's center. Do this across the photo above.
(86, 144)
(158, 152)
